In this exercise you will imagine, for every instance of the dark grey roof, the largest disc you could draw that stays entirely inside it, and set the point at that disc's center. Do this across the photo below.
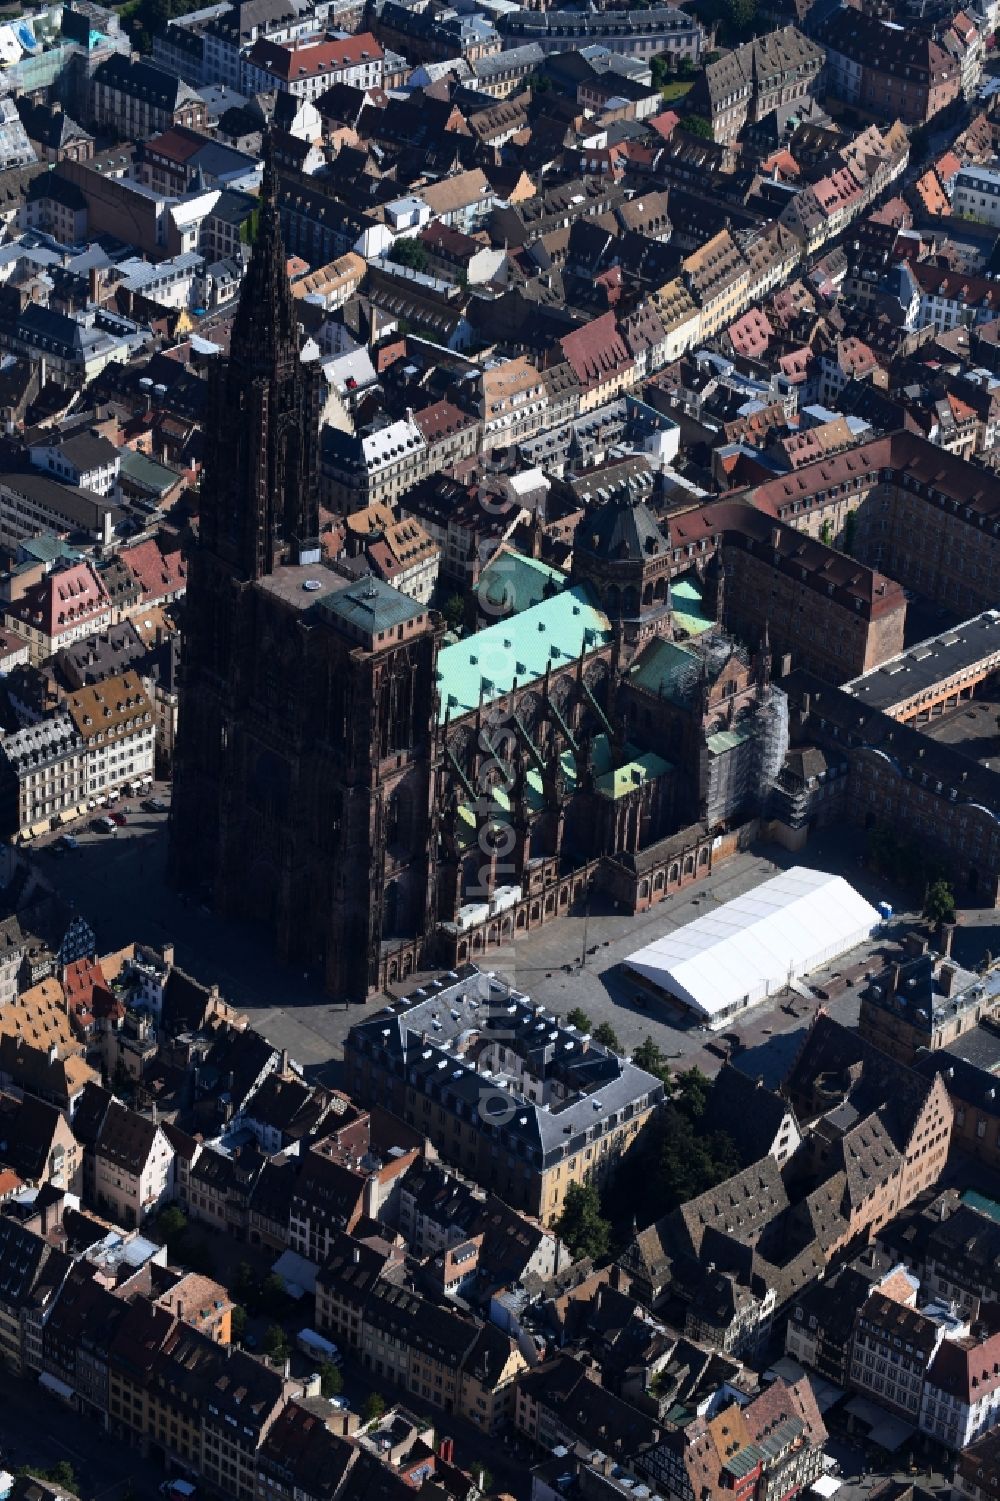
(928, 662)
(750, 1114)
(232, 207)
(624, 528)
(142, 81)
(371, 606)
(78, 508)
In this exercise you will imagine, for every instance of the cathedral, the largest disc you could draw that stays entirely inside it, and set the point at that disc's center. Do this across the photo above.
(376, 800)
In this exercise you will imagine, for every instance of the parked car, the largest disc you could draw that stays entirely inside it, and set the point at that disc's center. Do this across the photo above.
(119, 818)
(68, 842)
(154, 805)
(103, 825)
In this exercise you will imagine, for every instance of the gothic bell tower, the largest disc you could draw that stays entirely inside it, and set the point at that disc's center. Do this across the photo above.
(259, 510)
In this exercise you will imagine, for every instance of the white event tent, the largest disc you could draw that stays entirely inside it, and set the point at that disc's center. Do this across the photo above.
(752, 946)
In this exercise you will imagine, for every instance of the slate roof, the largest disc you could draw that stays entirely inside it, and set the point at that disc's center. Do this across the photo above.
(144, 81)
(749, 1114)
(623, 528)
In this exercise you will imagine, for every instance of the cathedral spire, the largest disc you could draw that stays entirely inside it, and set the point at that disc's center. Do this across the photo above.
(265, 330)
(260, 491)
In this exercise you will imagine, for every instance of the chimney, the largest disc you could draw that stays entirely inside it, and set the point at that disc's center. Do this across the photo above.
(446, 1450)
(946, 979)
(283, 1062)
(356, 1257)
(94, 283)
(945, 936)
(167, 953)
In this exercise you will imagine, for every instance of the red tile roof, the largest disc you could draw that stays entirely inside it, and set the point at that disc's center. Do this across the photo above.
(665, 123)
(292, 63)
(63, 600)
(158, 574)
(596, 351)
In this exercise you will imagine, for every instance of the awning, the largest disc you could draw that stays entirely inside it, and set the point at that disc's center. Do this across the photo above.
(67, 816)
(41, 827)
(57, 1387)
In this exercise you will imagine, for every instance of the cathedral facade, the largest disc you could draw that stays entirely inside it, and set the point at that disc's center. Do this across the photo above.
(375, 801)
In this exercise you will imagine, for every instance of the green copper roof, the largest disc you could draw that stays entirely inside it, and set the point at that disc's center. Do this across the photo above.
(686, 598)
(661, 667)
(635, 773)
(609, 781)
(980, 1201)
(371, 606)
(518, 650)
(512, 582)
(726, 740)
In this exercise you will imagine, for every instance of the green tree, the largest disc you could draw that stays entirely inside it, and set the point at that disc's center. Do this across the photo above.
(171, 1224)
(238, 1321)
(331, 1381)
(409, 252)
(579, 1019)
(826, 533)
(691, 1095)
(661, 69)
(453, 611)
(939, 904)
(581, 1224)
(850, 532)
(606, 1035)
(649, 1056)
(697, 125)
(275, 1343)
(374, 1407)
(245, 1287)
(540, 83)
(61, 1474)
(691, 1160)
(740, 16)
(273, 1298)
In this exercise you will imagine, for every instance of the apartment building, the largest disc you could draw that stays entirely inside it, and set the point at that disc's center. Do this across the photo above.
(133, 1166)
(377, 468)
(205, 1408)
(307, 69)
(450, 434)
(34, 503)
(442, 1356)
(63, 607)
(893, 1346)
(114, 720)
(43, 776)
(717, 276)
(514, 402)
(600, 359)
(889, 72)
(751, 80)
(536, 1150)
(133, 100)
